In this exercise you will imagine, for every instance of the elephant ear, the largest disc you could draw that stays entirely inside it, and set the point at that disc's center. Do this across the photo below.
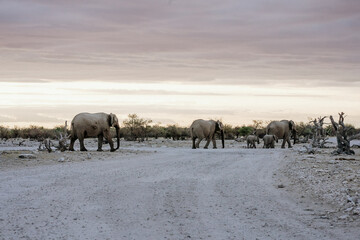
(110, 119)
(219, 125)
(291, 125)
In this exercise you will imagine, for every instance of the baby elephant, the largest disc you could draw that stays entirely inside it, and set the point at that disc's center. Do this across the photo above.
(269, 141)
(251, 139)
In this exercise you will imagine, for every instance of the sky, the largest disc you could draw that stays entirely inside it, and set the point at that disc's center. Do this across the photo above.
(174, 61)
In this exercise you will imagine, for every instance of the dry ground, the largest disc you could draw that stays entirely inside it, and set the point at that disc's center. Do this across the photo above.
(162, 189)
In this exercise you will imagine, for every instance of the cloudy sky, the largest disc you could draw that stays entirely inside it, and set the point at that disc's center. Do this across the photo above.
(174, 61)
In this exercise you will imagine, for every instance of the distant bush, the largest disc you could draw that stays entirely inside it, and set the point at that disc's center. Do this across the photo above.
(245, 130)
(175, 132)
(303, 129)
(5, 133)
(229, 132)
(136, 128)
(32, 132)
(157, 131)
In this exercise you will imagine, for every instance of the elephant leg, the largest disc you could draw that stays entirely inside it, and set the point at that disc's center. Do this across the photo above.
(288, 142)
(72, 141)
(82, 146)
(198, 142)
(283, 143)
(193, 143)
(214, 143)
(254, 145)
(109, 139)
(100, 142)
(207, 143)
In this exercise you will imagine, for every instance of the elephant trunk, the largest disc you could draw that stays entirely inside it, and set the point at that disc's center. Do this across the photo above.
(222, 138)
(118, 137)
(294, 133)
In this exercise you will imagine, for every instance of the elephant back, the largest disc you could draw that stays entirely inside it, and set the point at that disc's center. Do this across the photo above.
(198, 128)
(271, 127)
(83, 120)
(202, 128)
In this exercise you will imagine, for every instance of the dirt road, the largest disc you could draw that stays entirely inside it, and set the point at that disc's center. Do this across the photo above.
(162, 193)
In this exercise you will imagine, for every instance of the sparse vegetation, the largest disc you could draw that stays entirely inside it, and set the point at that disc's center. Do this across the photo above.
(32, 132)
(136, 128)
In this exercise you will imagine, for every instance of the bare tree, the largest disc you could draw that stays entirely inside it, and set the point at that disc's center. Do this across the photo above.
(319, 138)
(341, 131)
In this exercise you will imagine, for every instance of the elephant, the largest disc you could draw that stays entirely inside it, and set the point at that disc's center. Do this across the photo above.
(283, 130)
(251, 140)
(97, 125)
(269, 141)
(260, 132)
(206, 129)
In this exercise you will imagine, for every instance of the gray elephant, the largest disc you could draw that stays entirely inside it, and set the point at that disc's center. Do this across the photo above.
(251, 141)
(283, 130)
(269, 141)
(201, 129)
(98, 125)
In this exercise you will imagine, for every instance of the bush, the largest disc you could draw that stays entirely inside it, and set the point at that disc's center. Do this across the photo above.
(173, 132)
(136, 128)
(245, 130)
(5, 133)
(229, 132)
(303, 129)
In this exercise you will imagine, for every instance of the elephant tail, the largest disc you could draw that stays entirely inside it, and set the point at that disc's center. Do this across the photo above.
(191, 132)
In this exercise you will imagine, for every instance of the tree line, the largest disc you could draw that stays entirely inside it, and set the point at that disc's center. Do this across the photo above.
(135, 128)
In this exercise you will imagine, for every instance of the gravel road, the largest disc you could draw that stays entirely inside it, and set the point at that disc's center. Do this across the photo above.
(161, 193)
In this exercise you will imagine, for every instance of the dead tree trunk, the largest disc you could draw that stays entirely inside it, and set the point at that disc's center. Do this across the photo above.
(62, 140)
(319, 138)
(343, 143)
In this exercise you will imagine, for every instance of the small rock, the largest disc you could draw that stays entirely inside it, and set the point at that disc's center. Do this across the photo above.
(343, 217)
(281, 186)
(61, 159)
(27, 156)
(356, 211)
(350, 178)
(349, 209)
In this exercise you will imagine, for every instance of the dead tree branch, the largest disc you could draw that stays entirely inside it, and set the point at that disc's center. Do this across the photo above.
(63, 146)
(47, 144)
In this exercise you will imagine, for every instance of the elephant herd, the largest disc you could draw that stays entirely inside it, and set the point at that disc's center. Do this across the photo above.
(98, 125)
(284, 129)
